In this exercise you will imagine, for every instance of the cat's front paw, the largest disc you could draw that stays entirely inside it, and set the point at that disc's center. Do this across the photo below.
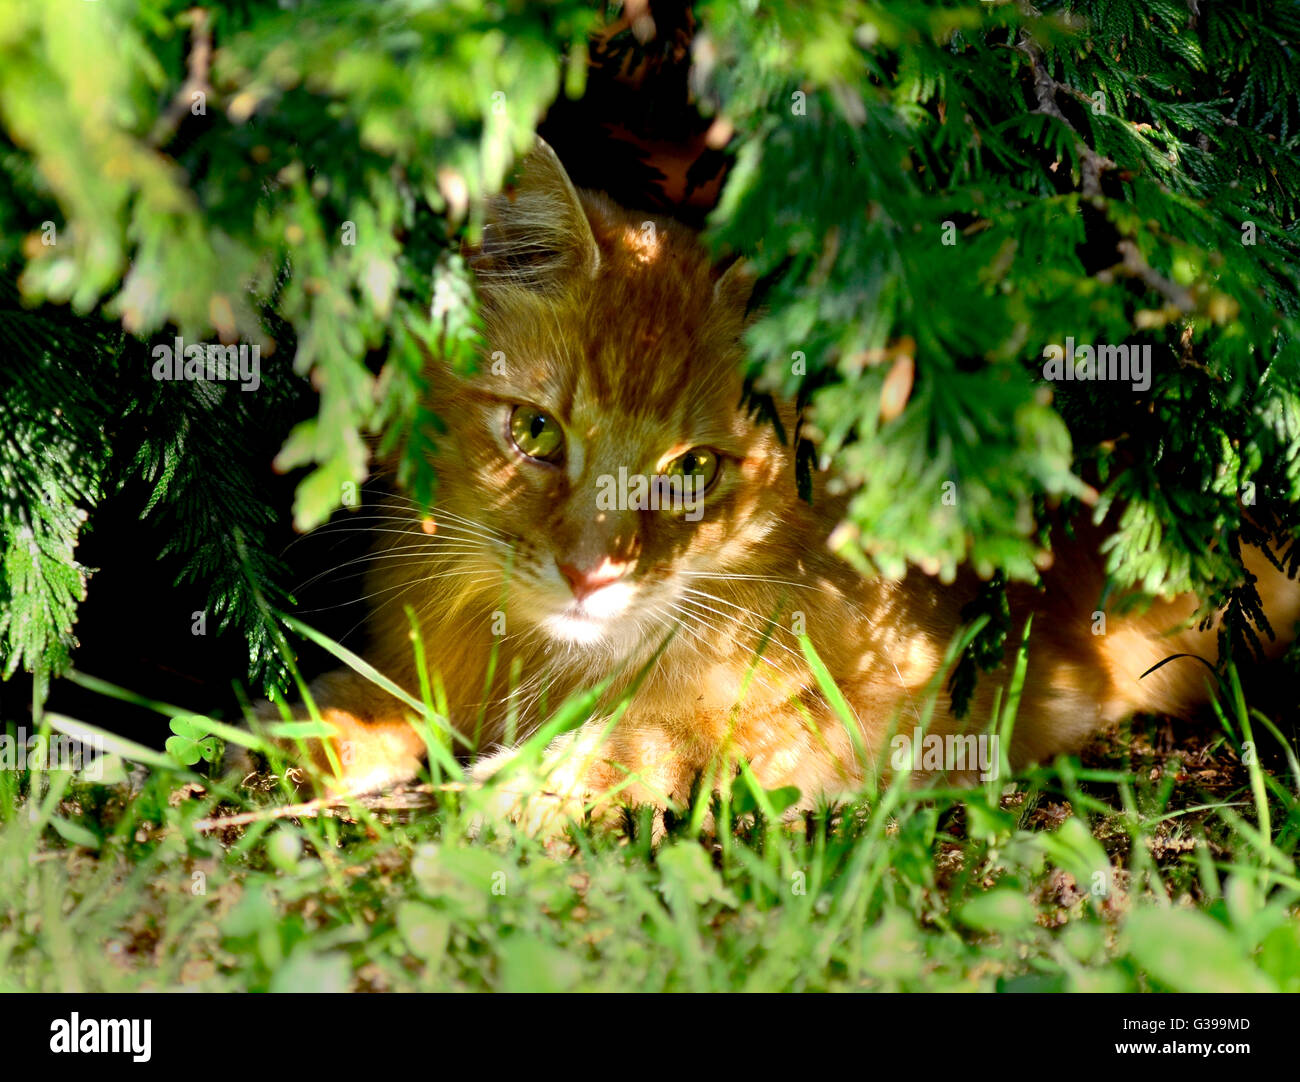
(372, 742)
(545, 798)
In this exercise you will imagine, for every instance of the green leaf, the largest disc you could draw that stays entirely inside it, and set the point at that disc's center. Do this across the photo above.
(191, 741)
(308, 971)
(425, 931)
(531, 965)
(75, 832)
(1183, 950)
(689, 878)
(999, 910)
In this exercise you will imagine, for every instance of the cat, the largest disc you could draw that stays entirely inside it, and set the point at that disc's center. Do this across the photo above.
(613, 343)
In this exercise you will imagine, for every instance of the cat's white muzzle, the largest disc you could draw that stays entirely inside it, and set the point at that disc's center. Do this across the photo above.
(594, 618)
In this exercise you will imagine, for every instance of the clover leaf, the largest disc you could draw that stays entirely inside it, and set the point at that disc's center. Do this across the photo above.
(191, 742)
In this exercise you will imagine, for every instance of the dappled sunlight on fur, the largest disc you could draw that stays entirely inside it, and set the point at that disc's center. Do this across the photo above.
(622, 333)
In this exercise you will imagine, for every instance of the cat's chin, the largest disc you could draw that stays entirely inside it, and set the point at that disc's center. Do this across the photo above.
(577, 630)
(594, 638)
(599, 620)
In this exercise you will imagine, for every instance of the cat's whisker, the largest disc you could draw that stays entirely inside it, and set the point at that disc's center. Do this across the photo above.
(466, 529)
(758, 656)
(427, 601)
(769, 629)
(424, 580)
(416, 543)
(452, 530)
(454, 549)
(727, 576)
(388, 589)
(438, 514)
(405, 553)
(530, 693)
(379, 512)
(761, 645)
(441, 520)
(776, 627)
(687, 622)
(411, 519)
(769, 622)
(415, 532)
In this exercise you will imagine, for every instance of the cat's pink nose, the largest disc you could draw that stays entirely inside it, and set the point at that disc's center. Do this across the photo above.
(589, 580)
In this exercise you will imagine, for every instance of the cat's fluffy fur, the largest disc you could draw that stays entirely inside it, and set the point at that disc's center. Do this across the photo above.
(625, 333)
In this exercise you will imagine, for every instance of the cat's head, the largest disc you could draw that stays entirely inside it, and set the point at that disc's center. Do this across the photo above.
(602, 450)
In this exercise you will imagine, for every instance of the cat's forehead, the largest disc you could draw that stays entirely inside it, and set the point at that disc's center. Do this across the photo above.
(649, 347)
(594, 312)
(652, 347)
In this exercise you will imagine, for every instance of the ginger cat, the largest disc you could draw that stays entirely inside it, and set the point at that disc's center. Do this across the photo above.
(621, 350)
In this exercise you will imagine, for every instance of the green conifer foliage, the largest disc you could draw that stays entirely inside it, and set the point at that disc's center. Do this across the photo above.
(933, 193)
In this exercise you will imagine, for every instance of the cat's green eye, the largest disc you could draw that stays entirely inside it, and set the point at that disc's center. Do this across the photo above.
(536, 434)
(697, 462)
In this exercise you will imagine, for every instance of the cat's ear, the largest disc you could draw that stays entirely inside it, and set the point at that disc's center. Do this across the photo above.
(734, 288)
(537, 234)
